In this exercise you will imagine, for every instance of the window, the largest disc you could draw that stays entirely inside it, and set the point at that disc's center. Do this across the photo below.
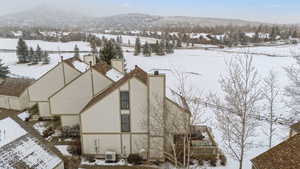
(125, 123)
(124, 100)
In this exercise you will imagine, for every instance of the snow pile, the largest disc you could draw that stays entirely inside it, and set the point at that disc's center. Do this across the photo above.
(102, 163)
(10, 131)
(63, 149)
(114, 75)
(82, 67)
(40, 127)
(24, 115)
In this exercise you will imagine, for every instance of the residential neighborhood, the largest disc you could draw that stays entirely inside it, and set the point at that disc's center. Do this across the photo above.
(125, 84)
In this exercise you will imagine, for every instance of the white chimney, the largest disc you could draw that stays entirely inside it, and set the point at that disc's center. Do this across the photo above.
(157, 93)
(118, 64)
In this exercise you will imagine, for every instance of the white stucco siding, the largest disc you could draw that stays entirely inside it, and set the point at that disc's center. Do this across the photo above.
(70, 120)
(47, 84)
(156, 104)
(156, 147)
(126, 145)
(73, 97)
(177, 120)
(100, 82)
(138, 106)
(4, 102)
(70, 73)
(104, 116)
(14, 103)
(99, 144)
(140, 144)
(44, 109)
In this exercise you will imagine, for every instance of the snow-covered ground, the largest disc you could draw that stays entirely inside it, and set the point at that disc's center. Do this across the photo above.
(126, 38)
(203, 66)
(280, 51)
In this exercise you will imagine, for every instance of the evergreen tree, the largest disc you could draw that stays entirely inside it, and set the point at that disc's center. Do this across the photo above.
(76, 51)
(108, 52)
(22, 51)
(169, 47)
(93, 48)
(46, 59)
(4, 71)
(31, 54)
(157, 49)
(137, 48)
(119, 51)
(38, 53)
(179, 43)
(295, 34)
(146, 50)
(162, 48)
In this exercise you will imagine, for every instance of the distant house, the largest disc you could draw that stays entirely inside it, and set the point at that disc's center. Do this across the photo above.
(14, 93)
(71, 99)
(20, 149)
(283, 156)
(132, 115)
(55, 79)
(294, 129)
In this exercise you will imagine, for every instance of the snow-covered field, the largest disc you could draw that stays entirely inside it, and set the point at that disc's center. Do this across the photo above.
(203, 66)
(280, 51)
(126, 38)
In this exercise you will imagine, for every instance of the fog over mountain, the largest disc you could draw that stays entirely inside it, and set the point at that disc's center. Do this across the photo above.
(58, 18)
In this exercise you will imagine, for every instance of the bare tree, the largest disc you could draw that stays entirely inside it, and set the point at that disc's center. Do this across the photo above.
(270, 94)
(242, 92)
(292, 91)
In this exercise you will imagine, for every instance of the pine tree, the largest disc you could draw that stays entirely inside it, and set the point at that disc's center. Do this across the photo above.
(179, 43)
(31, 54)
(295, 34)
(162, 48)
(119, 51)
(146, 50)
(108, 52)
(93, 48)
(157, 49)
(76, 51)
(137, 48)
(38, 53)
(4, 71)
(22, 51)
(46, 59)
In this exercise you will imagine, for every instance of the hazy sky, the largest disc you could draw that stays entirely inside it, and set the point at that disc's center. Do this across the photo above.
(276, 11)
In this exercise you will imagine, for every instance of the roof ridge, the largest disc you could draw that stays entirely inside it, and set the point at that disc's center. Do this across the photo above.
(137, 72)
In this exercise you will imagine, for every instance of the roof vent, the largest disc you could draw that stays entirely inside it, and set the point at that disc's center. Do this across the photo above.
(156, 72)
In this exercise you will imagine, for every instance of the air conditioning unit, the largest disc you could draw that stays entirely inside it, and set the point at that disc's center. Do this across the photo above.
(110, 156)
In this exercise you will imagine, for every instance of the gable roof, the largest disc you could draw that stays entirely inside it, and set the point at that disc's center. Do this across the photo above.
(22, 147)
(77, 64)
(296, 127)
(108, 71)
(136, 72)
(284, 156)
(14, 86)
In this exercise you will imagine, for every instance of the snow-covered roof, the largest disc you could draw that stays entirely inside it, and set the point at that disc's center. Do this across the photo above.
(81, 66)
(24, 115)
(10, 131)
(114, 75)
(19, 149)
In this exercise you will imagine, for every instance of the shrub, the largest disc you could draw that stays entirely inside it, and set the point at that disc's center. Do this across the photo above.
(213, 161)
(135, 159)
(90, 158)
(48, 132)
(200, 162)
(223, 160)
